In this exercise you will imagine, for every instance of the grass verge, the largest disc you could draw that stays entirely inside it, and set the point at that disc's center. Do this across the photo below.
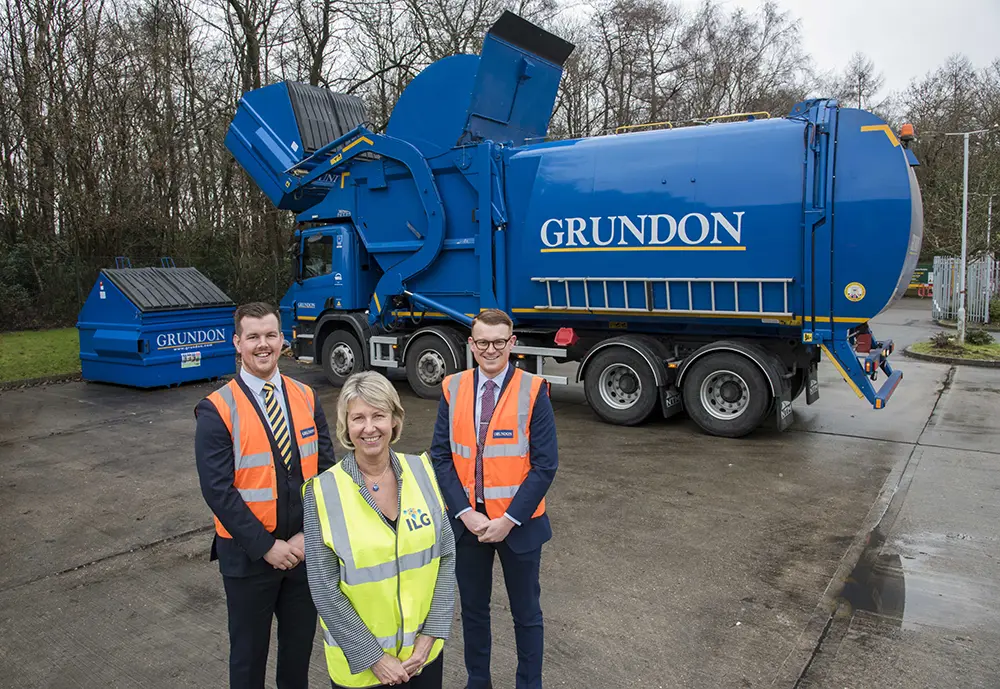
(38, 353)
(988, 352)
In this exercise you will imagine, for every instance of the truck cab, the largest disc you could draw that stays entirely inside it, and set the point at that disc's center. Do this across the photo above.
(326, 280)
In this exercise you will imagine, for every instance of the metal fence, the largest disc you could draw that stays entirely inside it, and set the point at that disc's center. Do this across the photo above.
(982, 276)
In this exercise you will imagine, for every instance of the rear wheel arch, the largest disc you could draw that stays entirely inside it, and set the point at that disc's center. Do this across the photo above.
(352, 323)
(768, 363)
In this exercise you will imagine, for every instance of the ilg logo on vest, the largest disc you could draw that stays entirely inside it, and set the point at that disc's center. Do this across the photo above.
(416, 518)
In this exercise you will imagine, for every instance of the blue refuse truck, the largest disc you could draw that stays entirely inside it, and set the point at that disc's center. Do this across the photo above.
(704, 268)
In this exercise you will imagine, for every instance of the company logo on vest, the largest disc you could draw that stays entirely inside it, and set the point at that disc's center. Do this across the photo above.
(191, 338)
(416, 518)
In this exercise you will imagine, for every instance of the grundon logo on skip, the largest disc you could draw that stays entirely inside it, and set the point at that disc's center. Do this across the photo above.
(187, 338)
(616, 232)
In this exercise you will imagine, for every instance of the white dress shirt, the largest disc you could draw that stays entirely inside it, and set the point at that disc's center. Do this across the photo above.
(256, 386)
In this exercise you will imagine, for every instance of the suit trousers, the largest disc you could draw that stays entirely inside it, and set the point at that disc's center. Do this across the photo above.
(474, 571)
(253, 602)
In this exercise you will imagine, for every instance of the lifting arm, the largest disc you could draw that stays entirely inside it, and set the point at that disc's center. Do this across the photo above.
(361, 140)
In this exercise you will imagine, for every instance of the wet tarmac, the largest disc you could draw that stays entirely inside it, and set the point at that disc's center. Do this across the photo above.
(857, 549)
(921, 608)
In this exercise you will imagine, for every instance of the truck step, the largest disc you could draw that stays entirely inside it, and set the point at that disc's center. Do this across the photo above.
(888, 387)
(382, 351)
(305, 359)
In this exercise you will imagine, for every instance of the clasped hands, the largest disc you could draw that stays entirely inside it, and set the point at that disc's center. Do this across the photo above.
(287, 554)
(391, 671)
(488, 530)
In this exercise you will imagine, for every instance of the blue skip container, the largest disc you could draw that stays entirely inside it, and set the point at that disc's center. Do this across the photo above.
(154, 327)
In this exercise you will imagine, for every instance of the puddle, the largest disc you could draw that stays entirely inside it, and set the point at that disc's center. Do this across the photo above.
(877, 583)
(931, 585)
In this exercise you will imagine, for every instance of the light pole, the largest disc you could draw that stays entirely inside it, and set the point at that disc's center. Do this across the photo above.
(965, 227)
(989, 258)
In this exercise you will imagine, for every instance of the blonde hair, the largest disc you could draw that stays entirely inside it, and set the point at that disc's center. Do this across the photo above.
(372, 388)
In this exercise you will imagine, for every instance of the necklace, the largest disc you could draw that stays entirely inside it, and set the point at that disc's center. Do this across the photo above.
(374, 481)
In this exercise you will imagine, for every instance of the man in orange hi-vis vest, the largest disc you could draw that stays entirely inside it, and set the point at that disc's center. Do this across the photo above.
(259, 437)
(495, 454)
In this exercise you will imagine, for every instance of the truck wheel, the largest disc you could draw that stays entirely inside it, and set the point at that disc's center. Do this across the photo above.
(428, 361)
(798, 383)
(620, 386)
(342, 356)
(726, 394)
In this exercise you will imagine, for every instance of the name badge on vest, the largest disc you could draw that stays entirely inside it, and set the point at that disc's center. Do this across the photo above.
(308, 432)
(503, 435)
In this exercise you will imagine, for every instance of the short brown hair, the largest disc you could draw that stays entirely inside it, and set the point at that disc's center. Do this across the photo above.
(493, 317)
(256, 309)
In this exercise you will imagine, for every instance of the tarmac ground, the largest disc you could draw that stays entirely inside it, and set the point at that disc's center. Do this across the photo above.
(857, 549)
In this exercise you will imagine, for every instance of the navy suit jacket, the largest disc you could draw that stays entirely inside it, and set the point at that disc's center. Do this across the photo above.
(543, 454)
(243, 554)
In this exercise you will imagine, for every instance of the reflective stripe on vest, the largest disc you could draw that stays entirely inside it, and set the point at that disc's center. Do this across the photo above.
(388, 643)
(388, 576)
(507, 438)
(254, 470)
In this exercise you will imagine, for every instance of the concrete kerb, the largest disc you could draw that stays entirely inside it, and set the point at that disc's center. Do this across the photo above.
(955, 361)
(952, 325)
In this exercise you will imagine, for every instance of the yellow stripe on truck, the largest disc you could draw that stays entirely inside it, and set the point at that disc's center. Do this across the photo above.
(882, 128)
(836, 364)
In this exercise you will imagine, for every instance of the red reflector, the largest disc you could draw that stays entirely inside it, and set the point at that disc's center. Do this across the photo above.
(566, 337)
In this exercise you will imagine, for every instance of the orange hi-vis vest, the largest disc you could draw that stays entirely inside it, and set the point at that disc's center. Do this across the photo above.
(505, 452)
(255, 477)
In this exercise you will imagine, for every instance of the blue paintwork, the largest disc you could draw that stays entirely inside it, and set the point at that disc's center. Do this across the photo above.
(436, 135)
(824, 197)
(513, 96)
(120, 344)
(264, 137)
(339, 289)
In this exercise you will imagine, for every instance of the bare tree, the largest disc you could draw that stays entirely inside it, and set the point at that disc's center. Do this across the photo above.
(744, 62)
(113, 115)
(316, 24)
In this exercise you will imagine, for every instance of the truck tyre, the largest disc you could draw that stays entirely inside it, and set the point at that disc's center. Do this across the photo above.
(428, 361)
(726, 394)
(798, 382)
(620, 386)
(342, 356)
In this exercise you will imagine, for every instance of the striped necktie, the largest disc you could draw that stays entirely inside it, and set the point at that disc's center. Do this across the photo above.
(278, 425)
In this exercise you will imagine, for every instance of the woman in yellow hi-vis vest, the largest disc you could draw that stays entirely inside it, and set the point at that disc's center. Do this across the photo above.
(380, 552)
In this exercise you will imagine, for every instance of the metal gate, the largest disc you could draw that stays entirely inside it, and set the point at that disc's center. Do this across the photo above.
(983, 279)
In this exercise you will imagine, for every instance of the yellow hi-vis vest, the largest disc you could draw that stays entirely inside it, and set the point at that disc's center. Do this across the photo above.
(388, 577)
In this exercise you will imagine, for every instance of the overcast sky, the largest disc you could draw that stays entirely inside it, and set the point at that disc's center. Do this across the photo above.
(904, 38)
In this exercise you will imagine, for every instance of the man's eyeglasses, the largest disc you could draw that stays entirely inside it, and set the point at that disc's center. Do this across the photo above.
(483, 345)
